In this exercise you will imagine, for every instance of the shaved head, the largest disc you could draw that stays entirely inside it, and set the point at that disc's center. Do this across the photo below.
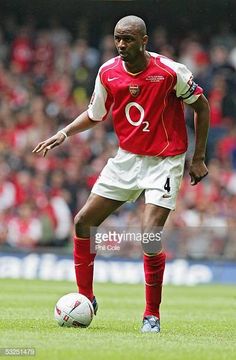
(133, 21)
(130, 37)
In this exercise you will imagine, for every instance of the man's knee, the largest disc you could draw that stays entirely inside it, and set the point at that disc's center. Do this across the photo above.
(81, 224)
(152, 242)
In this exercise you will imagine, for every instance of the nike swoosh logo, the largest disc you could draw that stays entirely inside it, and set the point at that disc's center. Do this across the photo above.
(111, 79)
(165, 196)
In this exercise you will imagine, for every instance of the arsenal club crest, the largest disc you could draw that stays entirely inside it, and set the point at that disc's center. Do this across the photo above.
(134, 90)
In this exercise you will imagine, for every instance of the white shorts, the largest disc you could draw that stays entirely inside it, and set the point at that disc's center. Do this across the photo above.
(127, 175)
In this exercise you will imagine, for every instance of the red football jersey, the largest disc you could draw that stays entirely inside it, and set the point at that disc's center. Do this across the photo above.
(147, 107)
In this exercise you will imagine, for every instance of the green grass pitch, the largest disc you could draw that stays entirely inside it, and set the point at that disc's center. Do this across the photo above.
(198, 323)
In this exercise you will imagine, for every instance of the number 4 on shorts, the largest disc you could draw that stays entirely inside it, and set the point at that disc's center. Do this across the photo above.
(167, 185)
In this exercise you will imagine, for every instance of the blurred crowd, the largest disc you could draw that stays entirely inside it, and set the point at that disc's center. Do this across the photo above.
(46, 80)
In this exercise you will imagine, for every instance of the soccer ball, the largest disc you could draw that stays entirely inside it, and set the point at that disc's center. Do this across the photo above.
(74, 310)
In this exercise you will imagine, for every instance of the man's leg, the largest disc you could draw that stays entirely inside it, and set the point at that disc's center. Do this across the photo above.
(94, 212)
(154, 264)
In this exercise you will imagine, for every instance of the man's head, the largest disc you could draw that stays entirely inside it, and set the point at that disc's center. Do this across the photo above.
(130, 37)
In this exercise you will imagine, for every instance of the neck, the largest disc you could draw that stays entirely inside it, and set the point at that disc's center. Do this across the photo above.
(139, 64)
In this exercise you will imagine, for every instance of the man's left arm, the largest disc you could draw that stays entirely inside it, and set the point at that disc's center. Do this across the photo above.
(198, 169)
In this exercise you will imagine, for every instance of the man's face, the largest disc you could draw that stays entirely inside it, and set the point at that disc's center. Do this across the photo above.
(129, 42)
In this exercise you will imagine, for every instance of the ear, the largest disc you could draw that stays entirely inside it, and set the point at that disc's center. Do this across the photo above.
(145, 40)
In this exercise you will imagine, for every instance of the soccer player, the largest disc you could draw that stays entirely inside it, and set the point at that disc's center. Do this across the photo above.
(146, 92)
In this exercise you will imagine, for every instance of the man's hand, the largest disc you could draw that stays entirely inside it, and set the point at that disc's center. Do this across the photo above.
(198, 171)
(50, 143)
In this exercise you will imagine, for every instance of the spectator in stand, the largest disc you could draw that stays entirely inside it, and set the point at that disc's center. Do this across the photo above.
(43, 54)
(59, 35)
(63, 217)
(84, 55)
(22, 51)
(7, 189)
(24, 229)
(190, 52)
(107, 49)
(226, 146)
(3, 228)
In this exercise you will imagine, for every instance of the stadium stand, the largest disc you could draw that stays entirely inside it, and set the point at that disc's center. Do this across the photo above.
(46, 79)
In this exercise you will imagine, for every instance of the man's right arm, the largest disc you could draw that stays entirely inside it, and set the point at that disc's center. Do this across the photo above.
(97, 111)
(81, 123)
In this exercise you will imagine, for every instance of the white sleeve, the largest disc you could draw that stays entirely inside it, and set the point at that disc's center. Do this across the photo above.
(35, 230)
(185, 87)
(63, 216)
(97, 110)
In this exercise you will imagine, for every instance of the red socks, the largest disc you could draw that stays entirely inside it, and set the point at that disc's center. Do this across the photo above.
(84, 264)
(154, 267)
